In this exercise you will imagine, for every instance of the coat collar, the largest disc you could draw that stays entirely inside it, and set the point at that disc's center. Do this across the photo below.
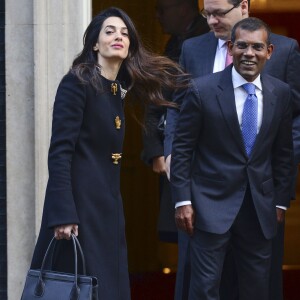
(269, 100)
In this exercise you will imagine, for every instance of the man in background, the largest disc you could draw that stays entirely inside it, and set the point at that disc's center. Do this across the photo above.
(208, 54)
(181, 20)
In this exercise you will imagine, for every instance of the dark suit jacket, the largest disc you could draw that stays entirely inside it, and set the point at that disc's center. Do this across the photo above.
(197, 58)
(209, 164)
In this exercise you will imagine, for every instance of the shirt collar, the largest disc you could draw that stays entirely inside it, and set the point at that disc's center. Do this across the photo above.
(221, 43)
(238, 80)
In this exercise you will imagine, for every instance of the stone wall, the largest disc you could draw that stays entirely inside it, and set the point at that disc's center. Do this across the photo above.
(3, 252)
(42, 39)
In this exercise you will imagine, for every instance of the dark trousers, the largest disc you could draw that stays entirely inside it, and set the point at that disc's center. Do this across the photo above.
(167, 229)
(228, 285)
(183, 274)
(229, 281)
(252, 253)
(276, 288)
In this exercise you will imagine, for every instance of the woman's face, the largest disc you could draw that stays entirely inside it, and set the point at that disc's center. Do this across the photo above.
(113, 41)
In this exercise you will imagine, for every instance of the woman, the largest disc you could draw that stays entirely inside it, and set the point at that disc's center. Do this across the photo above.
(83, 191)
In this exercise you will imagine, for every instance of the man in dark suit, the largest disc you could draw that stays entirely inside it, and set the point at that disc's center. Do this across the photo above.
(181, 20)
(207, 54)
(203, 55)
(232, 160)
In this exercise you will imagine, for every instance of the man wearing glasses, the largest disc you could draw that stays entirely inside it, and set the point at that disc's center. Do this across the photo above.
(232, 156)
(208, 54)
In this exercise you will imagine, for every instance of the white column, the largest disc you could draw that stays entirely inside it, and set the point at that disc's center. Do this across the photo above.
(42, 39)
(58, 32)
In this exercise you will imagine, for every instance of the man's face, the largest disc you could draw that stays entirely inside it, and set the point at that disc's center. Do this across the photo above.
(222, 16)
(250, 52)
(168, 13)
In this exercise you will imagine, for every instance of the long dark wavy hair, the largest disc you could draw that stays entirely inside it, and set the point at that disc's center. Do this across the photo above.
(145, 74)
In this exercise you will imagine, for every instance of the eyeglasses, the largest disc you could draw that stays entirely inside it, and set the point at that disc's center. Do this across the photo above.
(218, 14)
(244, 46)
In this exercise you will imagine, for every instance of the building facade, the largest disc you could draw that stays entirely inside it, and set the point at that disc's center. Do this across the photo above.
(41, 41)
(38, 41)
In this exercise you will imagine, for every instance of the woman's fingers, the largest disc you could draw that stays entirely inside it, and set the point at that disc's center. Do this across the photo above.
(64, 231)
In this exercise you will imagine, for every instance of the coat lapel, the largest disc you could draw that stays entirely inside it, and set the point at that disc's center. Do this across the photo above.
(269, 100)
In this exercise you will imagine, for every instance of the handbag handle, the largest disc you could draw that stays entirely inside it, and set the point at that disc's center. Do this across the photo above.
(40, 286)
(81, 255)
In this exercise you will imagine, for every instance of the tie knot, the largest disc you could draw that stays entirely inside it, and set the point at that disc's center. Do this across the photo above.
(249, 88)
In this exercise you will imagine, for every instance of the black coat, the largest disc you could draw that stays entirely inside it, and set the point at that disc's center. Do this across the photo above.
(84, 183)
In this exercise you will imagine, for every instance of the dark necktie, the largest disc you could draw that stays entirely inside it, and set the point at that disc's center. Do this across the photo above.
(249, 117)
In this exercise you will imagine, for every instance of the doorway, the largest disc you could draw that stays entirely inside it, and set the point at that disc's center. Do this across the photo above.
(140, 185)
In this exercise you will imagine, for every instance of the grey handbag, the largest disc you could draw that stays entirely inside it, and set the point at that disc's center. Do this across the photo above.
(51, 285)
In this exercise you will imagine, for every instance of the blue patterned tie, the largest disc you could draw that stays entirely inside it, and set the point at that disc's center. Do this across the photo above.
(249, 117)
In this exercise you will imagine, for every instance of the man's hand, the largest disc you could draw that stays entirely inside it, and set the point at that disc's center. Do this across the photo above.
(280, 215)
(168, 166)
(159, 165)
(184, 218)
(64, 231)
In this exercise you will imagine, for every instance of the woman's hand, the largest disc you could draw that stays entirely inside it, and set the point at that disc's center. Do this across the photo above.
(64, 231)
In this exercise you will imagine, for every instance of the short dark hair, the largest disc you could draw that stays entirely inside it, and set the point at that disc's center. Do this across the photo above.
(236, 2)
(250, 24)
(195, 4)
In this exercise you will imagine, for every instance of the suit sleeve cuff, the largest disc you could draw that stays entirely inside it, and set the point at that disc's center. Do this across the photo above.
(281, 207)
(182, 203)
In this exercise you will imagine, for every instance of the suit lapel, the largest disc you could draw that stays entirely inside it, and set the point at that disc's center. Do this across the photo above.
(227, 104)
(198, 55)
(209, 48)
(226, 101)
(269, 100)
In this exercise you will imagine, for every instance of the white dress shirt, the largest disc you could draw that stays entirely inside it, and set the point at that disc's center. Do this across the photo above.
(220, 57)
